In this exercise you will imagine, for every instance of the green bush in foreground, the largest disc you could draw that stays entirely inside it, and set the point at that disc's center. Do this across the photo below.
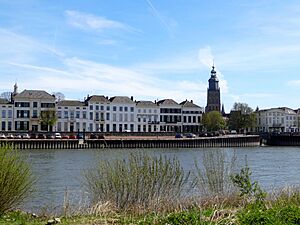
(16, 180)
(142, 181)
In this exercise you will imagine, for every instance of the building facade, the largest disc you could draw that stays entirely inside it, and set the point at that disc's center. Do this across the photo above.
(97, 113)
(280, 119)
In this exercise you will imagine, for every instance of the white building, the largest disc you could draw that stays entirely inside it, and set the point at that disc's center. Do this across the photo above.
(147, 116)
(281, 119)
(98, 113)
(71, 116)
(28, 106)
(122, 110)
(6, 113)
(170, 115)
(191, 117)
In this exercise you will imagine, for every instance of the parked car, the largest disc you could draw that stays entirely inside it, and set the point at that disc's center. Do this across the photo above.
(41, 136)
(72, 136)
(18, 136)
(33, 136)
(190, 135)
(2, 136)
(65, 136)
(25, 136)
(80, 136)
(203, 134)
(50, 136)
(178, 136)
(57, 136)
(10, 136)
(93, 136)
(233, 132)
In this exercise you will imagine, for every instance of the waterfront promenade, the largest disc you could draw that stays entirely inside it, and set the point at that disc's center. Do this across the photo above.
(137, 142)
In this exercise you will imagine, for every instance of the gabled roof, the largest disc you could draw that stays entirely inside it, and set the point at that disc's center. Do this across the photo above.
(146, 104)
(121, 99)
(70, 103)
(97, 98)
(188, 104)
(167, 102)
(35, 94)
(3, 101)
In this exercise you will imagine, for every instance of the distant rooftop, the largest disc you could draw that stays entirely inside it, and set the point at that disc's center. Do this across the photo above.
(167, 102)
(121, 99)
(70, 103)
(189, 104)
(145, 104)
(97, 98)
(35, 94)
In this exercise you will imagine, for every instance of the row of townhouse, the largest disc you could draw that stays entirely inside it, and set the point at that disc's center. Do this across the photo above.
(281, 119)
(98, 113)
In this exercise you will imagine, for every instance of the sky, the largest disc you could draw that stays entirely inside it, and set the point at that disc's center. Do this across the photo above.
(154, 49)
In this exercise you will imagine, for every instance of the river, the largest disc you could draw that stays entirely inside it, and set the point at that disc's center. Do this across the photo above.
(60, 170)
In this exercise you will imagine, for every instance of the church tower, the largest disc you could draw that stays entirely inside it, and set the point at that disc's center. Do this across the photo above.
(213, 93)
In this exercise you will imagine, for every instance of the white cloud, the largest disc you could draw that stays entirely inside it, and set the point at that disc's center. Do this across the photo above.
(87, 21)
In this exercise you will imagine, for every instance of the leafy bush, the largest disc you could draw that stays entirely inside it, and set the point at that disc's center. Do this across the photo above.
(246, 187)
(16, 180)
(141, 181)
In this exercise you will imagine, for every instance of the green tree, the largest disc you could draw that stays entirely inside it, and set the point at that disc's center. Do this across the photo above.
(213, 121)
(241, 117)
(47, 119)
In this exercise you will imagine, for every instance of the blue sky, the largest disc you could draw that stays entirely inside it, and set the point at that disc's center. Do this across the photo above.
(154, 49)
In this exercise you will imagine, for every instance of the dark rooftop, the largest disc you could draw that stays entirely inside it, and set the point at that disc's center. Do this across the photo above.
(70, 103)
(121, 99)
(37, 94)
(97, 98)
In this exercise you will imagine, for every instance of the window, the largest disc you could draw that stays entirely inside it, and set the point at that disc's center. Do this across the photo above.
(125, 109)
(66, 114)
(91, 107)
(131, 109)
(91, 127)
(84, 114)
(3, 113)
(107, 108)
(35, 104)
(97, 107)
(9, 126)
(91, 115)
(121, 117)
(102, 107)
(58, 126)
(131, 117)
(107, 116)
(9, 114)
(72, 114)
(22, 104)
(59, 114)
(121, 108)
(3, 125)
(34, 114)
(47, 105)
(77, 114)
(126, 118)
(114, 108)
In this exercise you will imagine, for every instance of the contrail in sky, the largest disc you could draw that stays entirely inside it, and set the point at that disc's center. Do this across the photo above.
(157, 14)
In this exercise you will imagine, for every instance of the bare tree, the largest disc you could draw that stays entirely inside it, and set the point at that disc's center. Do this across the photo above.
(6, 95)
(58, 96)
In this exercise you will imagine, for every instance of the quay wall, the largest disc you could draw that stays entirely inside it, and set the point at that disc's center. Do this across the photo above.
(209, 142)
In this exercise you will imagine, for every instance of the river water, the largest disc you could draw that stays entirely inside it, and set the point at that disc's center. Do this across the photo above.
(58, 171)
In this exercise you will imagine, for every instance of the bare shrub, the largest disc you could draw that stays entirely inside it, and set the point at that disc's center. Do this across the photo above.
(16, 179)
(213, 175)
(142, 182)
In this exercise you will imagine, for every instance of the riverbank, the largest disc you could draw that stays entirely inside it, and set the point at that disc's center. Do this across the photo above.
(137, 142)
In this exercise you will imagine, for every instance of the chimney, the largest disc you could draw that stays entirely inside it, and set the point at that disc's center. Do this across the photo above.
(192, 101)
(131, 98)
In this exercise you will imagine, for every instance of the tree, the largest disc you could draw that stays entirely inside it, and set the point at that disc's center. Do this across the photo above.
(47, 119)
(58, 96)
(213, 121)
(6, 95)
(241, 117)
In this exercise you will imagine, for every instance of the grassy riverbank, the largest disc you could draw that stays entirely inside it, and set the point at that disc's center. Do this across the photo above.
(282, 208)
